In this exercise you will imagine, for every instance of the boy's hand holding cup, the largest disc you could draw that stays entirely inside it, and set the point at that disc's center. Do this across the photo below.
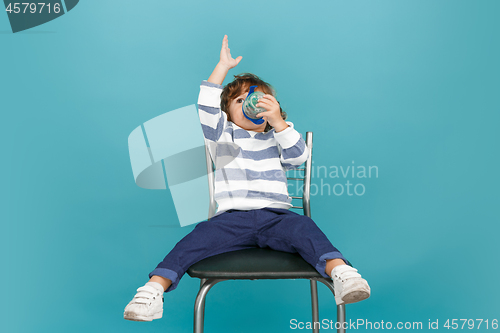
(273, 113)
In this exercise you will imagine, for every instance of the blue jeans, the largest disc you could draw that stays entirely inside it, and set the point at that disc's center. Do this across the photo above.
(279, 229)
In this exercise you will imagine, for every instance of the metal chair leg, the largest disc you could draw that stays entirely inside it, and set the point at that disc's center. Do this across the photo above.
(341, 317)
(314, 301)
(199, 305)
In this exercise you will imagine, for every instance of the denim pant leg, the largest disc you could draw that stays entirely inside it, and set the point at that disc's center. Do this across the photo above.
(227, 232)
(290, 232)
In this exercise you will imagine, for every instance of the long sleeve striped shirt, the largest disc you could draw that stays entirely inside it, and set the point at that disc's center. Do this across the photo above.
(250, 167)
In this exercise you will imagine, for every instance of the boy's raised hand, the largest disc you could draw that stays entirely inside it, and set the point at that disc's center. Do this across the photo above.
(225, 55)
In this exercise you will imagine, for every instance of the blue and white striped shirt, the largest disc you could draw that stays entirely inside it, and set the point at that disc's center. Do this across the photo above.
(250, 166)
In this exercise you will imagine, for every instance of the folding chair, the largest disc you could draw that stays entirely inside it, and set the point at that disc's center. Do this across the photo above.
(260, 263)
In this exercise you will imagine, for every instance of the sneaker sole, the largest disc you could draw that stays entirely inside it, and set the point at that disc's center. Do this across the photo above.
(134, 317)
(355, 296)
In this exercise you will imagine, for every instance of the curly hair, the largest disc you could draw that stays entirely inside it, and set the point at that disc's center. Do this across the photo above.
(239, 85)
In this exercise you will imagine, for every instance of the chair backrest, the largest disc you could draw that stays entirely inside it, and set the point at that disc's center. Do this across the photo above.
(306, 192)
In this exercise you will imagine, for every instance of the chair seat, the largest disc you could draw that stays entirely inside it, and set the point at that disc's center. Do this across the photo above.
(254, 263)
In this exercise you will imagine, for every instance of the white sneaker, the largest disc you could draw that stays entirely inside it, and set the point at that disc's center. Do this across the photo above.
(349, 286)
(146, 305)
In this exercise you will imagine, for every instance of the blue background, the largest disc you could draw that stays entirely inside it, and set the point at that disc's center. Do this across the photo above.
(408, 86)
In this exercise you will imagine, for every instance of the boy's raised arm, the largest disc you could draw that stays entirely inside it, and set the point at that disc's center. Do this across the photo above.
(226, 62)
(212, 119)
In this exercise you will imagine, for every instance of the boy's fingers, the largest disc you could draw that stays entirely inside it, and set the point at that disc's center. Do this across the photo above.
(262, 114)
(265, 106)
(269, 96)
(270, 100)
(265, 103)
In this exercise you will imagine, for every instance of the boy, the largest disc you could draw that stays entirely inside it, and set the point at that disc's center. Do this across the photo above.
(251, 193)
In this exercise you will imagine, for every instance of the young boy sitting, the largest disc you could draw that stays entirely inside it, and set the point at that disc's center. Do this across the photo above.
(251, 193)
